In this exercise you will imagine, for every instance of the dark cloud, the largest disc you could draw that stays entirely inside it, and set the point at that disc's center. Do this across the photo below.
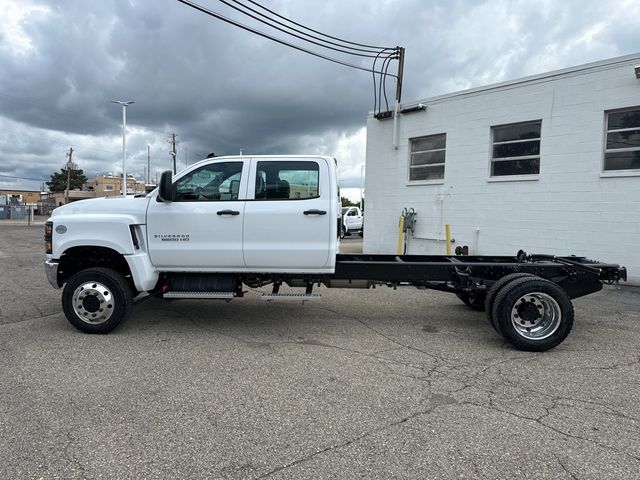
(222, 89)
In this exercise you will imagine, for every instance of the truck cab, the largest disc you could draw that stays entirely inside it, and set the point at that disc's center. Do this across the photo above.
(258, 214)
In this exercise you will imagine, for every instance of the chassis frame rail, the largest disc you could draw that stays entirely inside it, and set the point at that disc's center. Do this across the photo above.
(578, 276)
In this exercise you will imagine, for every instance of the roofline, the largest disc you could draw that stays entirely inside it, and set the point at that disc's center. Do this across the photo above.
(600, 65)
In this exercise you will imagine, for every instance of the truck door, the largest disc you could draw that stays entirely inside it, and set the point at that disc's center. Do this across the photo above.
(288, 220)
(202, 228)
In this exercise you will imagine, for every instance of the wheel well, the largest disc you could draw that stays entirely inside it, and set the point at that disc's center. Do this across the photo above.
(77, 259)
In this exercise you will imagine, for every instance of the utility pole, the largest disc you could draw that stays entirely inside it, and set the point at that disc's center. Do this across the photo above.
(398, 95)
(69, 167)
(173, 143)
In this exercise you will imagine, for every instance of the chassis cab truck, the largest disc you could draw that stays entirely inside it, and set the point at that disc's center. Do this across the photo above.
(229, 222)
(352, 221)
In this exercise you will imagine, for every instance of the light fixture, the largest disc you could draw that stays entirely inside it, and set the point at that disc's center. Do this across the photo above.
(637, 69)
(416, 108)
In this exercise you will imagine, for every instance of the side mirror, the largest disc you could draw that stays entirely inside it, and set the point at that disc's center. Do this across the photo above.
(166, 193)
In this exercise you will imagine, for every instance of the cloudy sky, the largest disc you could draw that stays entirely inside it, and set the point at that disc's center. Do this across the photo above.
(222, 90)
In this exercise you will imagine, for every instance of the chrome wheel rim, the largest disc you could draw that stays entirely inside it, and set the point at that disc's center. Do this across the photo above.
(93, 302)
(536, 316)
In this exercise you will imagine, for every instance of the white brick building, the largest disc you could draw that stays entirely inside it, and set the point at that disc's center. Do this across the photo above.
(548, 164)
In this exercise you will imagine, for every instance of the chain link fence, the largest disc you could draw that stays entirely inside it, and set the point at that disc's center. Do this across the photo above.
(20, 215)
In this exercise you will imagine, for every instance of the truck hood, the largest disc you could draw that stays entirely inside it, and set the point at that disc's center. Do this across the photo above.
(134, 207)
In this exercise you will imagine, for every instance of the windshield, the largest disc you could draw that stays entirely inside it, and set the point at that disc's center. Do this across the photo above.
(344, 210)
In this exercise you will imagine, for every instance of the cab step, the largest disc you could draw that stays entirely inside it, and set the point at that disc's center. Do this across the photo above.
(290, 297)
(197, 295)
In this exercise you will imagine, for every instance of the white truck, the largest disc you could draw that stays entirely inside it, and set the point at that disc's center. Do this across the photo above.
(352, 221)
(229, 222)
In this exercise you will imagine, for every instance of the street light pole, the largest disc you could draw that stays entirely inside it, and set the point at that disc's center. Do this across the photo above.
(124, 143)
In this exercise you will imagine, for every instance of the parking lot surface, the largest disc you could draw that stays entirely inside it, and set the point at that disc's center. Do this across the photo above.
(362, 384)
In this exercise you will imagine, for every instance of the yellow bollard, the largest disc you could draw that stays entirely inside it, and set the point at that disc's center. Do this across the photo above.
(447, 230)
(401, 235)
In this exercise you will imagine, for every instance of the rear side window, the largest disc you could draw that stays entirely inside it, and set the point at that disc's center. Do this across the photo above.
(287, 180)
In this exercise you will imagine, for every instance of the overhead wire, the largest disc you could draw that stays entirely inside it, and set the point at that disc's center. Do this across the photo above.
(316, 31)
(295, 35)
(387, 53)
(24, 178)
(375, 50)
(270, 37)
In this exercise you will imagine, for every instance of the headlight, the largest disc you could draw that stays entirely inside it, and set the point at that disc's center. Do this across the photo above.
(48, 237)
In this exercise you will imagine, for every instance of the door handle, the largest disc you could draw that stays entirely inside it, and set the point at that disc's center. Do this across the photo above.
(315, 211)
(228, 212)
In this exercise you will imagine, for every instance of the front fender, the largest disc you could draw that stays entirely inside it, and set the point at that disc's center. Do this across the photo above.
(103, 230)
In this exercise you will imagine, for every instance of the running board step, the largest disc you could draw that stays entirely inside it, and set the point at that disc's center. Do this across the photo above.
(290, 297)
(214, 295)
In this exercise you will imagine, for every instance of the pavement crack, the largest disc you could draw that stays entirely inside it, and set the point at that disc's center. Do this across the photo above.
(346, 443)
(566, 470)
(538, 421)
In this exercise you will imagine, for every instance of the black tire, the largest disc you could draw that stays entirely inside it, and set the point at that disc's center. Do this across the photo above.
(96, 300)
(343, 232)
(473, 300)
(495, 289)
(533, 314)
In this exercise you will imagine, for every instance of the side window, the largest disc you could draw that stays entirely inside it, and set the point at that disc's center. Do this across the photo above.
(287, 180)
(427, 158)
(214, 182)
(622, 149)
(516, 149)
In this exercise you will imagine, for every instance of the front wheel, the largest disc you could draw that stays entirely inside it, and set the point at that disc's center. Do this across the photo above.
(533, 314)
(96, 300)
(343, 232)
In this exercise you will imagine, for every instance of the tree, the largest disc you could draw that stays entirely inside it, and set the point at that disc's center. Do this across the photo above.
(58, 182)
(348, 203)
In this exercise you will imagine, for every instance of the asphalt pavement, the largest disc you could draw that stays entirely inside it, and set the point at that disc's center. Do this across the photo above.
(361, 384)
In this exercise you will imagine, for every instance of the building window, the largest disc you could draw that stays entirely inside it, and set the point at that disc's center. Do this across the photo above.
(427, 158)
(516, 149)
(108, 187)
(622, 148)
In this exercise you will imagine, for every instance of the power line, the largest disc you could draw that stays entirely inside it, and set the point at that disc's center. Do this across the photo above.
(315, 31)
(24, 178)
(275, 39)
(369, 52)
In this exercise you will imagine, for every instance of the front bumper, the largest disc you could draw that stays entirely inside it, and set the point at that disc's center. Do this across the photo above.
(51, 269)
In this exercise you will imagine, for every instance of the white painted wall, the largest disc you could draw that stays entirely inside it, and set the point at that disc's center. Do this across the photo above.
(571, 208)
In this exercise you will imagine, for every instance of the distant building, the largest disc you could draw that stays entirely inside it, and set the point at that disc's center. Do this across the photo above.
(101, 186)
(548, 163)
(27, 197)
(109, 185)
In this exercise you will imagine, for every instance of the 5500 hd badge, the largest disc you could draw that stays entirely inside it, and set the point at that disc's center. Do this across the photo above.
(167, 237)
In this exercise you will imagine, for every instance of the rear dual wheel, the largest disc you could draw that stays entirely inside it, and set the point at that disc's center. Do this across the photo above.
(532, 313)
